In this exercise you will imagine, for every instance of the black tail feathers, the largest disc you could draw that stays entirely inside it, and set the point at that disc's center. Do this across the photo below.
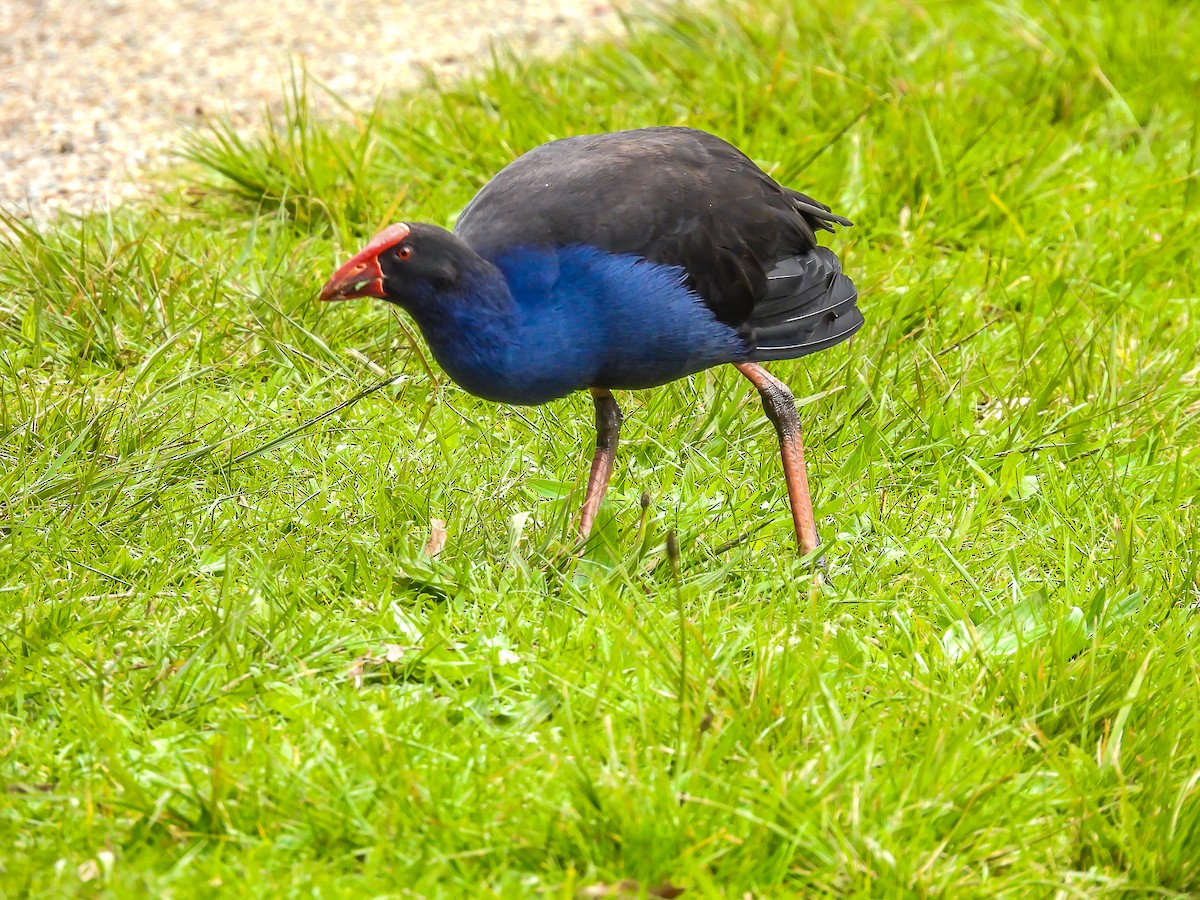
(810, 305)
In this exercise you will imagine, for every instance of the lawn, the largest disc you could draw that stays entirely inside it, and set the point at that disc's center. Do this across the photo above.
(226, 662)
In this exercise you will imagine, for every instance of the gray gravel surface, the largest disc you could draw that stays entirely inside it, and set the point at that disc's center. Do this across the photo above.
(94, 91)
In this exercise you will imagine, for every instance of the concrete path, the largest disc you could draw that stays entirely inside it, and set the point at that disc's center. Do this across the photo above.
(92, 91)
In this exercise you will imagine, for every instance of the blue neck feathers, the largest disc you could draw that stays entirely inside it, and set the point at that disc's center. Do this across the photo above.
(532, 324)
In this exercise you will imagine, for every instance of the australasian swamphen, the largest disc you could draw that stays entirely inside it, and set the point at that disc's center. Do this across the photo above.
(615, 262)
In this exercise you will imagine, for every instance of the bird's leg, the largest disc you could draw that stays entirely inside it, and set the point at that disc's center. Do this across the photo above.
(780, 407)
(608, 429)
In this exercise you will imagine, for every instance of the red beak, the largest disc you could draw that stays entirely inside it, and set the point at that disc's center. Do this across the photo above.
(362, 275)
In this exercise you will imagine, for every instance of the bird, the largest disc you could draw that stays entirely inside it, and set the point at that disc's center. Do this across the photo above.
(621, 261)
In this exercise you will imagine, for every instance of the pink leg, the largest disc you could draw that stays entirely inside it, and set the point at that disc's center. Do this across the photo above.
(608, 429)
(780, 407)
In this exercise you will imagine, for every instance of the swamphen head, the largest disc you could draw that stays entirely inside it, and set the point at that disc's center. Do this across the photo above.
(621, 261)
(408, 265)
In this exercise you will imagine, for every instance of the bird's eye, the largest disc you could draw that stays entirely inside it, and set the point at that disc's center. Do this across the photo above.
(405, 252)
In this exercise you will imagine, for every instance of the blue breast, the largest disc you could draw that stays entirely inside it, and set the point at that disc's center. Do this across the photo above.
(585, 318)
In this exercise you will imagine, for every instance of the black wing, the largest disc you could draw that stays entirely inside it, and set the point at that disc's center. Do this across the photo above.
(675, 196)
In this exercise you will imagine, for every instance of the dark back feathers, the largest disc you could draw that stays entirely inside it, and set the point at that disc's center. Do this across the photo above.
(675, 196)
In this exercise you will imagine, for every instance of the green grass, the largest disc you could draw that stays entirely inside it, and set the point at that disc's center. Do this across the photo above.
(224, 660)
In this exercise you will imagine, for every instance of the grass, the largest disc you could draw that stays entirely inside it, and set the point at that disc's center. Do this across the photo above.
(226, 661)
